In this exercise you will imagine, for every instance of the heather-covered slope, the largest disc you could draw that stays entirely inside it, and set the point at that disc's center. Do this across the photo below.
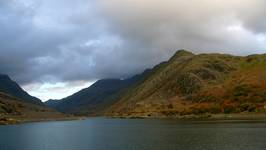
(13, 110)
(12, 88)
(198, 84)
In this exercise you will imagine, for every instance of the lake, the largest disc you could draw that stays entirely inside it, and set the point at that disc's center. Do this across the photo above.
(134, 134)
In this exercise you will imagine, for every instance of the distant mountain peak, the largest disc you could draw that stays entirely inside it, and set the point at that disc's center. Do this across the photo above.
(52, 103)
(182, 52)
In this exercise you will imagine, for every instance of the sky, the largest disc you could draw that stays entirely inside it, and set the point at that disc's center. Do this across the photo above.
(55, 48)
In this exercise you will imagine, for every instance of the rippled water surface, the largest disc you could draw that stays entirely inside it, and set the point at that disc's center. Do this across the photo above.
(134, 134)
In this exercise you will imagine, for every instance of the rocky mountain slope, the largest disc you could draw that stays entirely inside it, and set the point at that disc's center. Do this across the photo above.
(17, 106)
(197, 84)
(10, 87)
(13, 110)
(187, 84)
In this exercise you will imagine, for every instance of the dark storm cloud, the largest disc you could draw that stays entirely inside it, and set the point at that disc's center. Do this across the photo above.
(66, 40)
(33, 36)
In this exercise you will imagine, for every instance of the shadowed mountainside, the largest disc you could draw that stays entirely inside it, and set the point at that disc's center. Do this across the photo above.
(52, 103)
(96, 98)
(12, 88)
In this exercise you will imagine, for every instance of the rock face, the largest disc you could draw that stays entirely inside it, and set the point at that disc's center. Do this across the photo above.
(197, 84)
(12, 88)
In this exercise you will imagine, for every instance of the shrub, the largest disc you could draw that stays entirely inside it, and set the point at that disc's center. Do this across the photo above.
(244, 106)
(231, 109)
(5, 109)
(248, 107)
(241, 90)
(252, 108)
(2, 110)
(199, 110)
(170, 106)
(209, 98)
(215, 109)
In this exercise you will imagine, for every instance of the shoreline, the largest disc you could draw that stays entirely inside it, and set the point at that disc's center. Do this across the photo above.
(13, 121)
(205, 117)
(240, 116)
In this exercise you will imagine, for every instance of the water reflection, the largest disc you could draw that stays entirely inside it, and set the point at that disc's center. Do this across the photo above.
(134, 134)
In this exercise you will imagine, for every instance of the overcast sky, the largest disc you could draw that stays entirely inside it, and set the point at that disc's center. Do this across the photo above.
(56, 47)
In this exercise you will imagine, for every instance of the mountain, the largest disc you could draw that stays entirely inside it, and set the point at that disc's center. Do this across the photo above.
(13, 110)
(94, 99)
(12, 88)
(52, 103)
(186, 84)
(190, 84)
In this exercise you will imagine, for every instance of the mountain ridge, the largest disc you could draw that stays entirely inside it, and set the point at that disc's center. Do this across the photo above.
(7, 85)
(186, 84)
(95, 98)
(13, 110)
(179, 86)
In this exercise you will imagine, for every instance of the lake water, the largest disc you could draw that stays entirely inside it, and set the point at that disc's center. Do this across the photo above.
(134, 134)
